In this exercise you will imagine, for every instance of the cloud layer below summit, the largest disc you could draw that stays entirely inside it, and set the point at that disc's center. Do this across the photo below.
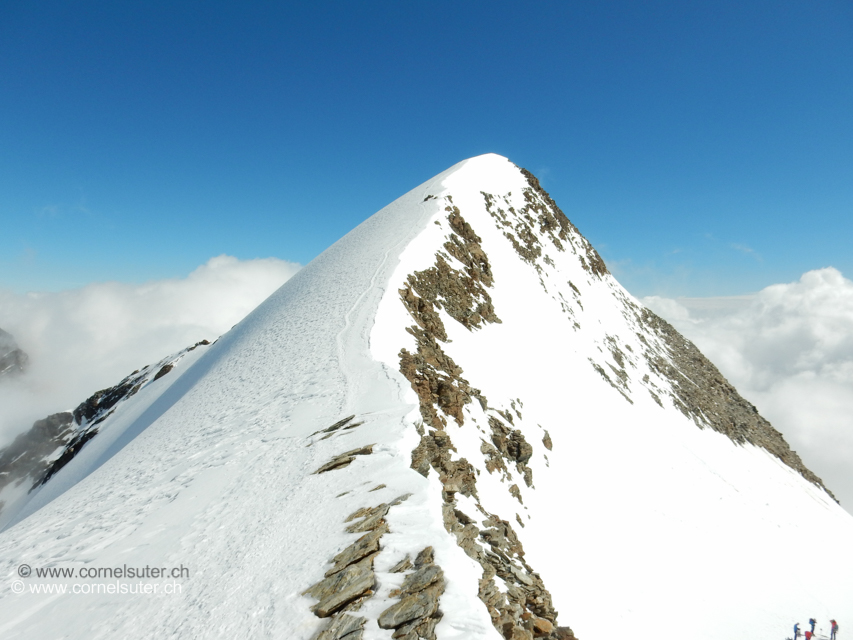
(86, 339)
(789, 350)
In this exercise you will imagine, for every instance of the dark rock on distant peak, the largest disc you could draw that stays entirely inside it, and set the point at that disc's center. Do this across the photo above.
(7, 342)
(13, 361)
(25, 456)
(36, 455)
(701, 393)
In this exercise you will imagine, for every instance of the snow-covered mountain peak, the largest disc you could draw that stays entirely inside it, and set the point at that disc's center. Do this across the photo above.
(453, 423)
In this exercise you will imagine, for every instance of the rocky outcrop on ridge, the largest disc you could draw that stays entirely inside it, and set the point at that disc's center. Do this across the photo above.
(524, 609)
(26, 457)
(351, 579)
(703, 394)
(691, 382)
(344, 459)
(417, 612)
(507, 446)
(541, 217)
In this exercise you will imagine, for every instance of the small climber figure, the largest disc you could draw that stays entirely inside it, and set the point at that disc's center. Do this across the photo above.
(834, 629)
(796, 631)
(812, 622)
(809, 635)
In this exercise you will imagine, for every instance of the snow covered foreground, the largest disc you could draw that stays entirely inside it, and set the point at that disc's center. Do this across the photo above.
(637, 522)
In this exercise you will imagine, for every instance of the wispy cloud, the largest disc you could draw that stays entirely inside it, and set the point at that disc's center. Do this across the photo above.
(54, 211)
(748, 251)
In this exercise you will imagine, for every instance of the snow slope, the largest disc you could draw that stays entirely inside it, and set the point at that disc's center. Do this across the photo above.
(514, 409)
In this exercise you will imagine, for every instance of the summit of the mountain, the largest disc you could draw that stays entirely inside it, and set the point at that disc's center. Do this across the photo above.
(453, 423)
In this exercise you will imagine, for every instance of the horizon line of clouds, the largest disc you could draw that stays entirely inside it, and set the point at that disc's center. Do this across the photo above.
(89, 338)
(788, 349)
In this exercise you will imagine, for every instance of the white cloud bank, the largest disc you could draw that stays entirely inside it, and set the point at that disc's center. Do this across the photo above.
(83, 340)
(789, 350)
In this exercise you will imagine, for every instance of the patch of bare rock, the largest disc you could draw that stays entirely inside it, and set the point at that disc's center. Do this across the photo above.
(351, 578)
(13, 361)
(701, 392)
(344, 459)
(522, 610)
(540, 217)
(417, 612)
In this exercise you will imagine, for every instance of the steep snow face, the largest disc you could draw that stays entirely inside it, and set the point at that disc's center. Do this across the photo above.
(649, 497)
(454, 423)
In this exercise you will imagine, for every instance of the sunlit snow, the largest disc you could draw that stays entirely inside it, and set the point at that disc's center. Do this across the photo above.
(640, 524)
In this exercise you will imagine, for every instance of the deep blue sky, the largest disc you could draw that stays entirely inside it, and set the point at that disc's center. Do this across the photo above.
(704, 148)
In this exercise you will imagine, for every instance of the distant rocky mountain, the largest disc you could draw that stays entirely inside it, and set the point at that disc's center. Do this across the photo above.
(453, 423)
(13, 360)
(38, 453)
